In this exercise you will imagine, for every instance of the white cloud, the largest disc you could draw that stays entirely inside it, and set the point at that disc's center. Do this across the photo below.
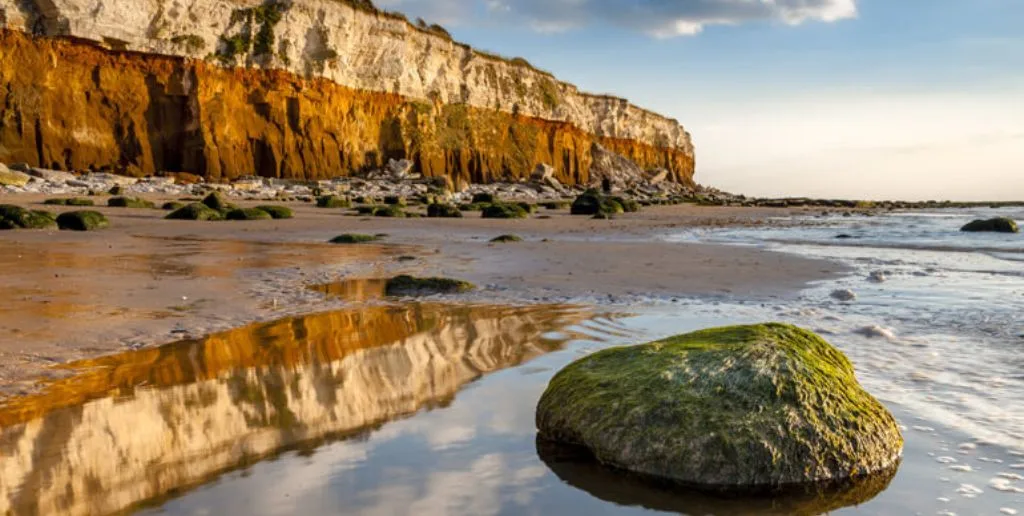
(659, 18)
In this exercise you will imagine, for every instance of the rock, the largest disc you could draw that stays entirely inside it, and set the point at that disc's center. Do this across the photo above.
(19, 167)
(82, 221)
(247, 214)
(996, 225)
(249, 184)
(878, 277)
(390, 211)
(129, 202)
(656, 176)
(443, 211)
(505, 211)
(69, 202)
(399, 169)
(544, 175)
(196, 211)
(277, 212)
(172, 205)
(16, 217)
(506, 239)
(332, 201)
(215, 202)
(354, 238)
(593, 202)
(411, 286)
(875, 332)
(10, 177)
(742, 408)
(51, 176)
(844, 295)
(483, 198)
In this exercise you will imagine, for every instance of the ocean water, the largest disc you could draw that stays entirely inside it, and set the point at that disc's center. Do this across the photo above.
(429, 408)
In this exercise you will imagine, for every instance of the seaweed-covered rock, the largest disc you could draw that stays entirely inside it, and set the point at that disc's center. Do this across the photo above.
(82, 221)
(473, 206)
(593, 202)
(506, 239)
(247, 214)
(74, 201)
(172, 205)
(196, 211)
(392, 211)
(556, 205)
(484, 198)
(628, 205)
(129, 202)
(215, 201)
(996, 225)
(736, 408)
(411, 286)
(16, 217)
(332, 201)
(443, 211)
(505, 211)
(354, 238)
(527, 207)
(277, 212)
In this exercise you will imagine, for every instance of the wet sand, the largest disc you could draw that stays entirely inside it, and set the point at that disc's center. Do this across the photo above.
(147, 281)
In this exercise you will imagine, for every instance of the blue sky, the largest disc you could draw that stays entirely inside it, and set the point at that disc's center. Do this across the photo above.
(913, 99)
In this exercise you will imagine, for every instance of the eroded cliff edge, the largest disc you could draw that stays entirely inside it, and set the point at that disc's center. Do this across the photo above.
(306, 89)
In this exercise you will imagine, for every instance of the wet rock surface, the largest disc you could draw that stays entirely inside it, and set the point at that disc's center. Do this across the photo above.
(744, 408)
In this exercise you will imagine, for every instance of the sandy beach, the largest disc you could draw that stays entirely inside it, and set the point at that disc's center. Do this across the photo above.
(146, 281)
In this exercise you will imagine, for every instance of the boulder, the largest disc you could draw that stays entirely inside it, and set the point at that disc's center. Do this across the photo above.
(996, 225)
(656, 176)
(16, 217)
(399, 169)
(51, 176)
(844, 295)
(443, 211)
(741, 408)
(247, 214)
(412, 286)
(10, 177)
(505, 211)
(195, 211)
(593, 202)
(82, 221)
(277, 212)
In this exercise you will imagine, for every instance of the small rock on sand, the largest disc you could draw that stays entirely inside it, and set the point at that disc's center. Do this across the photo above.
(878, 277)
(875, 332)
(844, 295)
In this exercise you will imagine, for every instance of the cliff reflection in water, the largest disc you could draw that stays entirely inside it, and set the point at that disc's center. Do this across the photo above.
(142, 425)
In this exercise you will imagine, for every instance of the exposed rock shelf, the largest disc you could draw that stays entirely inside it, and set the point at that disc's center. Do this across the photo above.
(309, 89)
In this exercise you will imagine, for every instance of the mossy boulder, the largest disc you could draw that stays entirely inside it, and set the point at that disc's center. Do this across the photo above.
(412, 286)
(82, 221)
(996, 225)
(16, 217)
(215, 201)
(172, 205)
(277, 212)
(628, 205)
(129, 202)
(247, 214)
(332, 201)
(745, 408)
(556, 205)
(391, 211)
(443, 211)
(505, 211)
(484, 198)
(506, 239)
(354, 238)
(395, 200)
(527, 207)
(473, 206)
(593, 202)
(74, 201)
(195, 211)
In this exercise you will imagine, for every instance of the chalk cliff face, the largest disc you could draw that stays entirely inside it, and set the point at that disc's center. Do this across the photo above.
(300, 89)
(146, 424)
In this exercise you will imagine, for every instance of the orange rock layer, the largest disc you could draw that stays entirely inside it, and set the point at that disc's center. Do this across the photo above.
(71, 105)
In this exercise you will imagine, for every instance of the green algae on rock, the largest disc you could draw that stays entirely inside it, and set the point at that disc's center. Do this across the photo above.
(129, 202)
(332, 201)
(506, 239)
(593, 202)
(996, 225)
(16, 217)
(410, 286)
(443, 211)
(75, 201)
(214, 201)
(505, 211)
(354, 238)
(484, 198)
(745, 408)
(277, 212)
(82, 221)
(247, 214)
(172, 205)
(195, 211)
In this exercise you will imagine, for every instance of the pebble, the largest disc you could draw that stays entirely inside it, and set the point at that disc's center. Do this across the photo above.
(875, 332)
(844, 295)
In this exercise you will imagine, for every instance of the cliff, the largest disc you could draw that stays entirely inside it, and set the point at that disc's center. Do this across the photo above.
(306, 89)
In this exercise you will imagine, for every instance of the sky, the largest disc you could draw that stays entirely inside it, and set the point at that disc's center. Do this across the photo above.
(869, 99)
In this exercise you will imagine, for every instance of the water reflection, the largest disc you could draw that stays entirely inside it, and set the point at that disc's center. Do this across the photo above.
(581, 471)
(135, 428)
